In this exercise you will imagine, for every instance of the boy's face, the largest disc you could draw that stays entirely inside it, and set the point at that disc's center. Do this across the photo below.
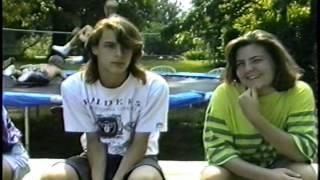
(113, 58)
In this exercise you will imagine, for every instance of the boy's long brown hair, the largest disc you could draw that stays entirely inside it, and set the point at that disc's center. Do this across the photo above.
(127, 35)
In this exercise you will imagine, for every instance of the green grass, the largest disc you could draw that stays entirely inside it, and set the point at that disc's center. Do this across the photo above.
(183, 141)
(179, 65)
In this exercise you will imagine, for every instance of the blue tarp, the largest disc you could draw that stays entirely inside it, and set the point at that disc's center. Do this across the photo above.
(19, 99)
(186, 99)
(169, 74)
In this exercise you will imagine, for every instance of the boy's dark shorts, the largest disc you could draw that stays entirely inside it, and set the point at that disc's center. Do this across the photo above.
(81, 165)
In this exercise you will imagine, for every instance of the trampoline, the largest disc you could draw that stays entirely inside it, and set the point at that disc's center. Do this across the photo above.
(186, 90)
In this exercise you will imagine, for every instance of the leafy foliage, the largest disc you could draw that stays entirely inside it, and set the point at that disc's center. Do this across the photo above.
(196, 55)
(61, 15)
(209, 26)
(32, 14)
(218, 21)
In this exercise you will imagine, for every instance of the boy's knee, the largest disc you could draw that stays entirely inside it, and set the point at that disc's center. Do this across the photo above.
(47, 176)
(52, 174)
(60, 172)
(145, 173)
(215, 173)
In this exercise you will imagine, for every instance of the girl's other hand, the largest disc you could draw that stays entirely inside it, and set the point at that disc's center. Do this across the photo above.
(282, 174)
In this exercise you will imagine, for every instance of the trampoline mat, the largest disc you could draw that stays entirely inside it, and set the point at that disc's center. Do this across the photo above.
(176, 87)
(204, 85)
(53, 87)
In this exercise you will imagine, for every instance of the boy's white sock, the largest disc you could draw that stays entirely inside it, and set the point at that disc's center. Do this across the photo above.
(9, 71)
(64, 50)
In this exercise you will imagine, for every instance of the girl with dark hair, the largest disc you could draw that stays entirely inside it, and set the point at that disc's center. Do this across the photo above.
(260, 123)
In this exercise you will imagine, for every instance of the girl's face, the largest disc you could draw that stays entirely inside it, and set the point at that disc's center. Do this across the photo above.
(255, 68)
(113, 58)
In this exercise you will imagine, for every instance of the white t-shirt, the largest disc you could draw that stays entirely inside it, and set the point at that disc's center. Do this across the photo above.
(118, 112)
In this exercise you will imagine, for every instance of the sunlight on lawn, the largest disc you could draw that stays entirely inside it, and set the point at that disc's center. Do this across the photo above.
(180, 65)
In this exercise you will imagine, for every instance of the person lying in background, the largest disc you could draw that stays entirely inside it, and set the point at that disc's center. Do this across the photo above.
(14, 156)
(36, 74)
(81, 36)
(260, 123)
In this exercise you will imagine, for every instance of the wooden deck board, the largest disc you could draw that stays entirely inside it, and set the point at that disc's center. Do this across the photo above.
(173, 170)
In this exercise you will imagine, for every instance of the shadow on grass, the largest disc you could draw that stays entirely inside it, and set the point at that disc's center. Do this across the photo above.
(183, 141)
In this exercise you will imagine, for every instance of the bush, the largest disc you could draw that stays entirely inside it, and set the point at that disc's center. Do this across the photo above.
(36, 46)
(196, 55)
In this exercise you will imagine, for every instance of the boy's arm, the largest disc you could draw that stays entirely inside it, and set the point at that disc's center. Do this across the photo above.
(96, 156)
(134, 154)
(26, 66)
(60, 73)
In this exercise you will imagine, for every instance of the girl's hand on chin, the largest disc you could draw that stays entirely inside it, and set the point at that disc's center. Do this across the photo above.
(249, 103)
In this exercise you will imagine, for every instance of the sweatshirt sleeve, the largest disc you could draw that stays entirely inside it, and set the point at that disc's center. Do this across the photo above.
(301, 123)
(217, 138)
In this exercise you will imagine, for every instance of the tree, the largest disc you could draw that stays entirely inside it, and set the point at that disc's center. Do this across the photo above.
(208, 20)
(62, 15)
(32, 14)
(155, 42)
(218, 21)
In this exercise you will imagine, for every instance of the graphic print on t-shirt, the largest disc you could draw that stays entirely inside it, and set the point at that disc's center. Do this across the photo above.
(116, 132)
(116, 120)
(109, 126)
